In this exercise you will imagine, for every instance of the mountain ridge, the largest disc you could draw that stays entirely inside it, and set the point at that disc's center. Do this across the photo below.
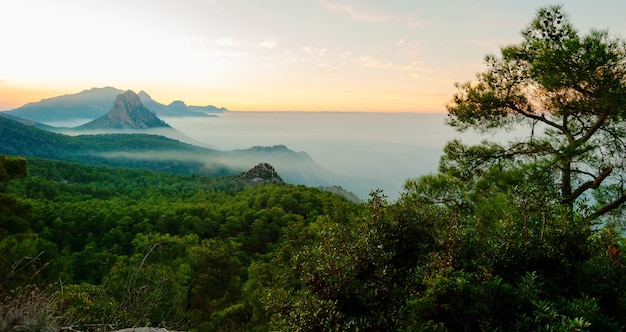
(92, 103)
(178, 107)
(159, 153)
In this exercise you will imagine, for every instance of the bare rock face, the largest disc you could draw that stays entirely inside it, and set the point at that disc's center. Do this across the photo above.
(262, 173)
(127, 112)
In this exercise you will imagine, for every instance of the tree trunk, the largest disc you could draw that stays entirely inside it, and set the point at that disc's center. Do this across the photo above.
(566, 183)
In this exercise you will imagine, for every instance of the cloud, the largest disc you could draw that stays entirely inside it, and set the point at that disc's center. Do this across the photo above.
(230, 42)
(415, 68)
(188, 39)
(359, 14)
(369, 61)
(356, 14)
(268, 43)
(223, 54)
(483, 42)
(227, 41)
(315, 55)
(319, 57)
(413, 22)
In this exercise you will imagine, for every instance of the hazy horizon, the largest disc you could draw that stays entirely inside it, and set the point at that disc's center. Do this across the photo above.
(382, 150)
(386, 148)
(309, 55)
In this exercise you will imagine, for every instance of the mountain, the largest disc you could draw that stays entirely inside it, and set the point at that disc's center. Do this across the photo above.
(177, 108)
(159, 153)
(87, 104)
(95, 102)
(127, 112)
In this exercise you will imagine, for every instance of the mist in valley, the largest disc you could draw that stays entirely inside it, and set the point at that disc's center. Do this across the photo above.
(379, 150)
(368, 150)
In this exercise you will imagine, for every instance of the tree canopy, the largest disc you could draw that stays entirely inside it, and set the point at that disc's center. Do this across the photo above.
(570, 86)
(501, 239)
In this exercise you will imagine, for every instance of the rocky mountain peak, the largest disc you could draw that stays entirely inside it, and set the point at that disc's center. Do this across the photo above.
(127, 112)
(262, 173)
(127, 101)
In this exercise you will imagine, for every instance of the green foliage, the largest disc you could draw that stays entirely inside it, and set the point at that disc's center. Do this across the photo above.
(509, 237)
(569, 86)
(26, 259)
(151, 285)
(138, 247)
(12, 168)
(217, 280)
(85, 305)
(14, 213)
(347, 275)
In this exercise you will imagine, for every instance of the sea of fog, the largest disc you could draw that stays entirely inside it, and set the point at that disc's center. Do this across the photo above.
(384, 149)
(387, 148)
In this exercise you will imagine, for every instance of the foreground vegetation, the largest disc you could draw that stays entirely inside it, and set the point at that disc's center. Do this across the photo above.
(97, 248)
(127, 247)
(516, 237)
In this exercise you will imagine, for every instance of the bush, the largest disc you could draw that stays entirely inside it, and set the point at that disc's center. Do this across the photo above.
(28, 309)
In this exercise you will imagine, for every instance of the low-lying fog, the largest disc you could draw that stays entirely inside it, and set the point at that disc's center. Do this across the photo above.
(386, 148)
(391, 147)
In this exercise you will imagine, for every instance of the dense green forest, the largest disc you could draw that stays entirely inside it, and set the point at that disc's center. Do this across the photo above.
(504, 237)
(129, 247)
(159, 153)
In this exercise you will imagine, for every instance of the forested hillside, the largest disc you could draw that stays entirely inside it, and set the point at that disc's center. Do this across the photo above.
(522, 236)
(130, 247)
(158, 153)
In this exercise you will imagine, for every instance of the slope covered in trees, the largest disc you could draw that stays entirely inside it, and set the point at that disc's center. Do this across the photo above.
(160, 153)
(517, 237)
(130, 247)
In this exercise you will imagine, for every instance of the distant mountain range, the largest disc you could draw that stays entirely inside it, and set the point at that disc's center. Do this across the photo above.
(127, 114)
(130, 134)
(159, 153)
(178, 107)
(96, 102)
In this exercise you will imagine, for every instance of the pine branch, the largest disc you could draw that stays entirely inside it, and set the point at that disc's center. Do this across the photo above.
(607, 208)
(592, 184)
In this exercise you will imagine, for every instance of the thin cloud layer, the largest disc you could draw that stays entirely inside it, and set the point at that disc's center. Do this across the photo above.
(357, 14)
(347, 55)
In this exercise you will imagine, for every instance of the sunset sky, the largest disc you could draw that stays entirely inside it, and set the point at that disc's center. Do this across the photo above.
(294, 55)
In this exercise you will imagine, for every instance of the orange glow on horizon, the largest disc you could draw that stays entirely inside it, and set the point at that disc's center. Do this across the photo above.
(12, 97)
(16, 96)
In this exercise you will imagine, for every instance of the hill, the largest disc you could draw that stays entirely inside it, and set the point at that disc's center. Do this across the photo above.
(178, 107)
(127, 112)
(262, 173)
(95, 102)
(159, 153)
(87, 104)
(86, 225)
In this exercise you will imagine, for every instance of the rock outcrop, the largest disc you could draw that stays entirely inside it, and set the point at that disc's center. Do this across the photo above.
(262, 173)
(127, 112)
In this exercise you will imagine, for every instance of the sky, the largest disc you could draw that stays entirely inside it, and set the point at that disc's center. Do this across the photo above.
(265, 55)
